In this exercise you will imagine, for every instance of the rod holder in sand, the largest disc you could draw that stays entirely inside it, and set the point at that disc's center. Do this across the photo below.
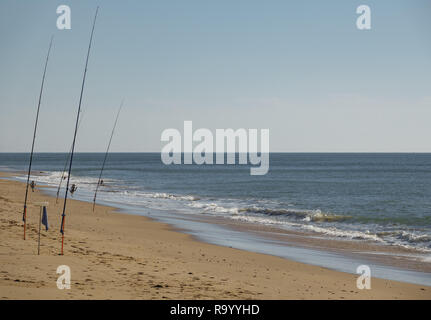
(41, 206)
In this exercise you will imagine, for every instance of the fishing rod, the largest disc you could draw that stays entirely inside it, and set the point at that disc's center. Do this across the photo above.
(63, 216)
(106, 155)
(24, 215)
(65, 165)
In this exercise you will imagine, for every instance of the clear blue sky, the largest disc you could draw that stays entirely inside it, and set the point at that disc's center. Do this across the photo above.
(299, 68)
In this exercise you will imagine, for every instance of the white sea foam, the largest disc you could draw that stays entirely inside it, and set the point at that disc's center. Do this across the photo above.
(163, 195)
(351, 234)
(53, 179)
(213, 207)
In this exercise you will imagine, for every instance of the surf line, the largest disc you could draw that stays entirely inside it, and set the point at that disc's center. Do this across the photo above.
(63, 216)
(225, 144)
(24, 214)
(99, 181)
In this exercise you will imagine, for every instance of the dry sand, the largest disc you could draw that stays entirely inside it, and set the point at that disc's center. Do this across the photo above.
(120, 256)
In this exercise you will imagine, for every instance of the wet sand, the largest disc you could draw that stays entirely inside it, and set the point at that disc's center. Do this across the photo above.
(120, 256)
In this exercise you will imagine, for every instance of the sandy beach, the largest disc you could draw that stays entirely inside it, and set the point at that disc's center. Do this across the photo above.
(121, 256)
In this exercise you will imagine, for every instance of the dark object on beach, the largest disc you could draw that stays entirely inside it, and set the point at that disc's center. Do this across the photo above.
(43, 219)
(100, 181)
(32, 185)
(24, 214)
(73, 188)
(63, 215)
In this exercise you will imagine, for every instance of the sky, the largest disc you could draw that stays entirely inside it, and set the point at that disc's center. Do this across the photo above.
(302, 69)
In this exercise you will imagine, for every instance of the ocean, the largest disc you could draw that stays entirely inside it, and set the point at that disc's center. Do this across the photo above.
(379, 198)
